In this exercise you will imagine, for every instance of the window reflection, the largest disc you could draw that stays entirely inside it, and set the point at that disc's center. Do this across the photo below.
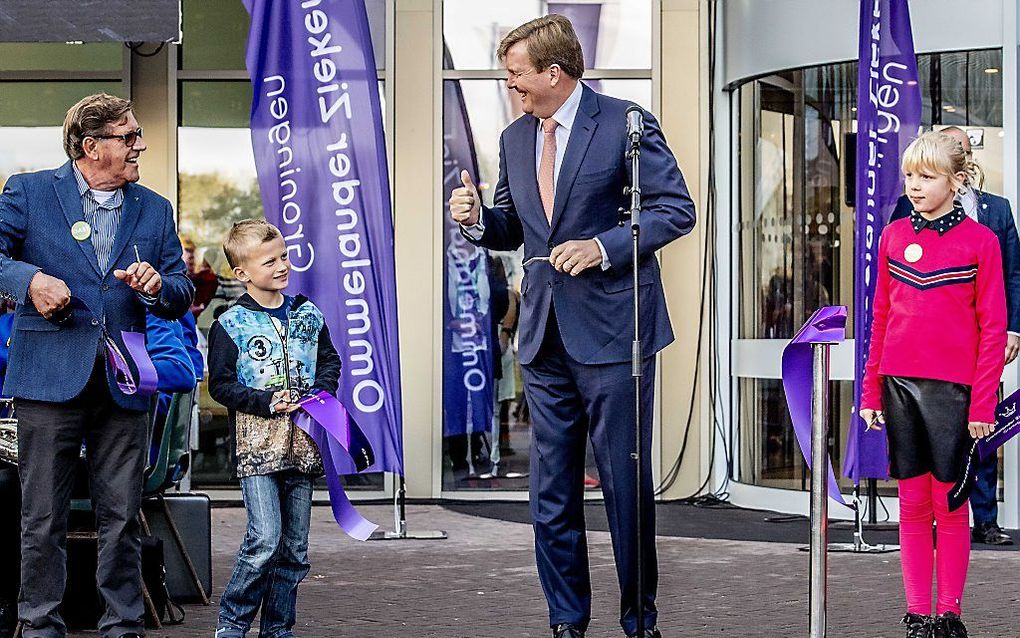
(217, 186)
(613, 35)
(794, 147)
(486, 447)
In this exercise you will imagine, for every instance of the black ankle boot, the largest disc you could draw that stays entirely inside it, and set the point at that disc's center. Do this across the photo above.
(918, 626)
(949, 625)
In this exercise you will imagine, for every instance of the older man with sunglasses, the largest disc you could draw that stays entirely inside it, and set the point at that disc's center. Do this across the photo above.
(84, 231)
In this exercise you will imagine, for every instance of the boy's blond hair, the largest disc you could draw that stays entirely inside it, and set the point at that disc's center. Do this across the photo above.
(246, 235)
(938, 153)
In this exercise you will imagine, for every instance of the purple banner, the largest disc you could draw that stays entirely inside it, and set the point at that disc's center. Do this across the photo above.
(826, 325)
(316, 128)
(888, 119)
(586, 19)
(468, 339)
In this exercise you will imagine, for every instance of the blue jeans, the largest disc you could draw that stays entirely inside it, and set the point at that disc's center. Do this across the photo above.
(984, 497)
(273, 557)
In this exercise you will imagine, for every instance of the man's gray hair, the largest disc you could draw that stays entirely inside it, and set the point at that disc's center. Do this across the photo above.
(90, 117)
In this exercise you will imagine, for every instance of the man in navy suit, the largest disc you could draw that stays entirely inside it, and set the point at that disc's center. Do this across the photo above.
(995, 213)
(87, 231)
(561, 183)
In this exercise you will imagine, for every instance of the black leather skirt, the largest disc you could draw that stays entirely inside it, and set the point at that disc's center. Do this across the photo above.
(926, 422)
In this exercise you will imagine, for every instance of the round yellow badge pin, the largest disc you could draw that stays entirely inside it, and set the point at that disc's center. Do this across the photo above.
(81, 231)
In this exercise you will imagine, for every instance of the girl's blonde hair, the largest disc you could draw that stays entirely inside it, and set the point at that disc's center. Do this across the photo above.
(938, 153)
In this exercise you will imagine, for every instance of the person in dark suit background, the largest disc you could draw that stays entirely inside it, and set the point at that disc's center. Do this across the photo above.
(995, 213)
(561, 183)
(85, 229)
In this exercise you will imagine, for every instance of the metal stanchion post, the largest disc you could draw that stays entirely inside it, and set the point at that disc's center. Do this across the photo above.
(400, 532)
(819, 494)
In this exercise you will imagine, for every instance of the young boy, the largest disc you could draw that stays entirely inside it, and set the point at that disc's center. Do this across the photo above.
(265, 352)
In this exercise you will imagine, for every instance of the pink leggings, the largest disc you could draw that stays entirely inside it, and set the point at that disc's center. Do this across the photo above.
(922, 500)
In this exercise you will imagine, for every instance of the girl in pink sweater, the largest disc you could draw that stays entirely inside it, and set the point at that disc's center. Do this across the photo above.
(933, 369)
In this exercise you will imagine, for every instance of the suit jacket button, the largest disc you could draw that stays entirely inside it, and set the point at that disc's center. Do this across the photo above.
(106, 286)
(550, 245)
(95, 322)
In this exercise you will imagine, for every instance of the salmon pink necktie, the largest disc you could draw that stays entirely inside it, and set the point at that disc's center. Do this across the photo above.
(547, 168)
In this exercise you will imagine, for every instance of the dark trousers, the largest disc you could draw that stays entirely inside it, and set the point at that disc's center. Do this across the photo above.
(10, 534)
(50, 436)
(571, 402)
(984, 496)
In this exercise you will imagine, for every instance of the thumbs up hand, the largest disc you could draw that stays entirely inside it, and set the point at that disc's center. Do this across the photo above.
(465, 205)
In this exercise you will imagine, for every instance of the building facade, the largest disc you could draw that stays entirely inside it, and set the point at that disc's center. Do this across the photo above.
(757, 101)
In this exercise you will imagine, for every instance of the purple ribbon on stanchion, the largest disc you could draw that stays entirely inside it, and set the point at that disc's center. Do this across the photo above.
(344, 450)
(147, 380)
(1007, 426)
(826, 325)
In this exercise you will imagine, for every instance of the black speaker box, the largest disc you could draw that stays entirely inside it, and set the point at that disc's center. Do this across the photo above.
(191, 515)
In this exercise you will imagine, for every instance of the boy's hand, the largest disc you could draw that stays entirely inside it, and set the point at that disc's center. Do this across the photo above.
(980, 430)
(281, 403)
(873, 418)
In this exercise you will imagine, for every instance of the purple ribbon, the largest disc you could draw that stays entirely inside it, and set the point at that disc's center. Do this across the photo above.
(1007, 426)
(827, 325)
(343, 447)
(147, 380)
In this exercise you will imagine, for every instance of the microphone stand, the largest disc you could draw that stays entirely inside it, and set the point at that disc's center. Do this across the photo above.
(634, 155)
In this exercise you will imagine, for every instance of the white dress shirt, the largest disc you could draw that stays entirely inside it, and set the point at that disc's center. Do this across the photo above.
(565, 116)
(969, 201)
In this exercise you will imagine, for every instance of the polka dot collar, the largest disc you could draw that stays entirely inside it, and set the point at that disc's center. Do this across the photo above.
(942, 225)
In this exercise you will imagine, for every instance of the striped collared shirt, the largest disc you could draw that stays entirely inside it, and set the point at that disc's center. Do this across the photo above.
(103, 219)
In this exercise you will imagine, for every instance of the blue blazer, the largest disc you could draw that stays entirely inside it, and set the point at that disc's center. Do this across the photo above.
(995, 213)
(50, 362)
(594, 310)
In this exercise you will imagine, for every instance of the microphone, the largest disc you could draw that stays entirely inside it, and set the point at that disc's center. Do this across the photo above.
(635, 123)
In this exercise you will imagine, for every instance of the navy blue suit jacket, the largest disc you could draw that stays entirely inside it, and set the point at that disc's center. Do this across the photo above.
(995, 213)
(594, 310)
(51, 362)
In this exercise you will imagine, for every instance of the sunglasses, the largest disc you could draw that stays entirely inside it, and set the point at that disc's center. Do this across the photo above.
(129, 138)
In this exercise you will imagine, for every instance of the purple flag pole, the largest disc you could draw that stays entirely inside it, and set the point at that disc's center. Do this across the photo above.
(316, 128)
(888, 119)
(826, 325)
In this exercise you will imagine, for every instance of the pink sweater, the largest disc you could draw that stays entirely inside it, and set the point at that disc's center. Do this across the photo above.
(939, 312)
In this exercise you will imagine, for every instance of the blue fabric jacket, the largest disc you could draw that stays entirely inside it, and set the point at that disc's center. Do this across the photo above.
(995, 213)
(190, 330)
(167, 347)
(6, 324)
(51, 362)
(165, 343)
(593, 310)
